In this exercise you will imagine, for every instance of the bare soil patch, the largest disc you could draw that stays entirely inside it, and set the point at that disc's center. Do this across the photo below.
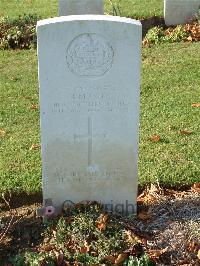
(148, 23)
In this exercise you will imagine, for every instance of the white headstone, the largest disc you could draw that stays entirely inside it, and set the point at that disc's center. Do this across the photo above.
(80, 7)
(180, 11)
(89, 75)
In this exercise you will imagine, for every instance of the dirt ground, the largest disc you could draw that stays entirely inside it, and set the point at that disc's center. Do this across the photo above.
(24, 230)
(168, 224)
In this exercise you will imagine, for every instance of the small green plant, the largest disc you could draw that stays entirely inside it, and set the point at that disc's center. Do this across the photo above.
(33, 259)
(158, 35)
(198, 16)
(18, 260)
(155, 35)
(142, 261)
(116, 10)
(85, 235)
(18, 33)
(177, 34)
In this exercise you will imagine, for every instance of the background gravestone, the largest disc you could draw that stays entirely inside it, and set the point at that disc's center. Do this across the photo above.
(89, 75)
(80, 7)
(180, 11)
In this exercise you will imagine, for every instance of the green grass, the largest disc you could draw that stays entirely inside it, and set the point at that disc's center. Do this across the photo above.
(170, 84)
(43, 8)
(136, 8)
(20, 168)
(49, 8)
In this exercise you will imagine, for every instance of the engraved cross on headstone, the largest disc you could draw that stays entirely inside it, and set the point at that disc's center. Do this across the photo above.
(90, 137)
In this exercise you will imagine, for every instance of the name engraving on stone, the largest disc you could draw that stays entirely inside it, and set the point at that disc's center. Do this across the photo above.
(89, 55)
(91, 101)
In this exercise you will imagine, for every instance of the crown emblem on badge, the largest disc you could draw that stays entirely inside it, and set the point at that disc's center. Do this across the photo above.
(89, 55)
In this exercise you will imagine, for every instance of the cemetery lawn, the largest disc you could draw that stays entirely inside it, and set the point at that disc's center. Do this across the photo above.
(49, 8)
(170, 85)
(20, 167)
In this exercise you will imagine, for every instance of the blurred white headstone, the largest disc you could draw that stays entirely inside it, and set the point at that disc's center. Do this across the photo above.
(80, 7)
(180, 11)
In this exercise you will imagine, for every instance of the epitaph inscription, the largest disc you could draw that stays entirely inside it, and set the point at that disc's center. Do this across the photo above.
(89, 55)
(64, 174)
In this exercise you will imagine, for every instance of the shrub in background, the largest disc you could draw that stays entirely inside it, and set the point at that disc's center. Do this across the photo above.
(181, 33)
(159, 35)
(18, 33)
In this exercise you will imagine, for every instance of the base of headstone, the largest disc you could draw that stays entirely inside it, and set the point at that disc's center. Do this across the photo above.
(180, 11)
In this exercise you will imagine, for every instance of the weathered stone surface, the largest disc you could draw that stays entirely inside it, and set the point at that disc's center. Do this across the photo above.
(80, 7)
(180, 11)
(89, 74)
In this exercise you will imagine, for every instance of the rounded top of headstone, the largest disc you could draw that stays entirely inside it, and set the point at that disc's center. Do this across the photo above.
(71, 18)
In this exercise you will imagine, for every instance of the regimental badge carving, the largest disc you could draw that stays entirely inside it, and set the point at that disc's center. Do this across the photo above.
(89, 55)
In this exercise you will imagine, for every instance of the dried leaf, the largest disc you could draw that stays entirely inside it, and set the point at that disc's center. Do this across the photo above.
(140, 198)
(189, 39)
(198, 254)
(66, 263)
(185, 132)
(132, 238)
(155, 254)
(169, 222)
(94, 253)
(85, 248)
(104, 217)
(155, 138)
(69, 220)
(59, 257)
(70, 245)
(48, 247)
(54, 232)
(154, 189)
(101, 226)
(146, 197)
(194, 30)
(145, 42)
(193, 247)
(101, 222)
(196, 105)
(196, 187)
(14, 78)
(174, 193)
(2, 132)
(121, 258)
(35, 147)
(111, 258)
(34, 106)
(144, 216)
(27, 97)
